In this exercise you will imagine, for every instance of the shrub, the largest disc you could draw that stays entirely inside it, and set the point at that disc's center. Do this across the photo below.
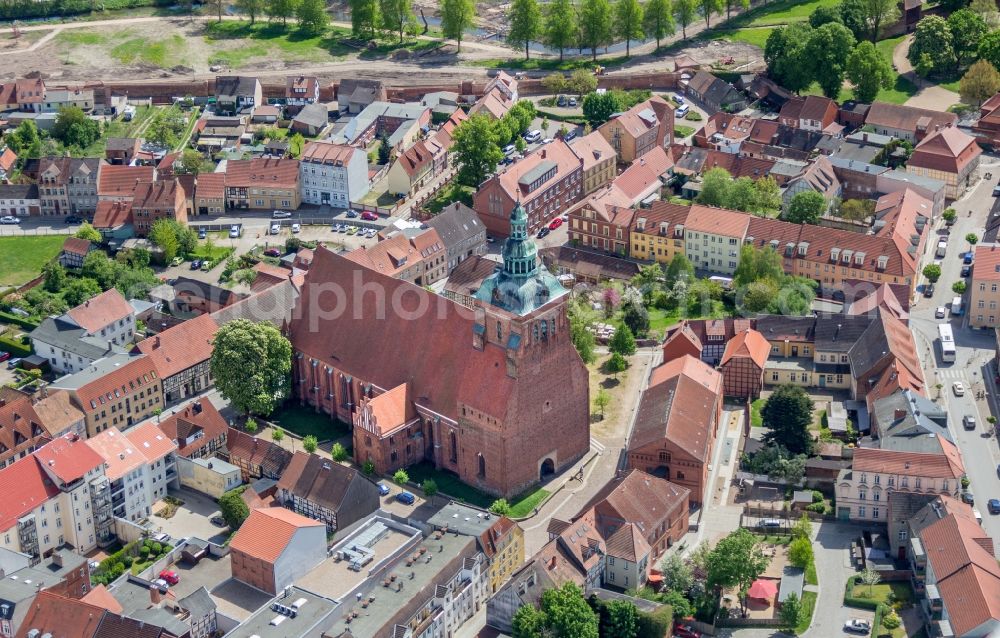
(693, 116)
(817, 496)
(401, 477)
(500, 507)
(368, 468)
(891, 621)
(339, 453)
(819, 508)
(429, 487)
(157, 549)
(127, 561)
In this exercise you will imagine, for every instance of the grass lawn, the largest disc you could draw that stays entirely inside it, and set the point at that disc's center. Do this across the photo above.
(204, 251)
(453, 192)
(879, 593)
(304, 421)
(265, 39)
(448, 484)
(659, 320)
(162, 53)
(22, 258)
(785, 11)
(526, 502)
(683, 131)
(756, 419)
(808, 607)
(811, 577)
(755, 36)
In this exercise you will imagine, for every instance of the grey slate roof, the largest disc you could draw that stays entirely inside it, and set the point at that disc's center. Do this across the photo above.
(917, 430)
(198, 602)
(18, 191)
(72, 338)
(315, 115)
(455, 224)
(837, 333)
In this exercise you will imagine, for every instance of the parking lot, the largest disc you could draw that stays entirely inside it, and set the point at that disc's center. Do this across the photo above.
(191, 519)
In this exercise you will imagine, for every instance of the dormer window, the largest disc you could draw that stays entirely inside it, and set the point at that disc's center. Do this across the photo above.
(883, 262)
(834, 254)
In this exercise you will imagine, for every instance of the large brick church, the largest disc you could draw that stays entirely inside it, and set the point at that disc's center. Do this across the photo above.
(496, 394)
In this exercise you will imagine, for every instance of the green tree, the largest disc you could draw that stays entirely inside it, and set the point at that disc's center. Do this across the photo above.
(24, 138)
(932, 272)
(554, 82)
(560, 26)
(685, 11)
(595, 25)
(312, 15)
(528, 622)
(598, 107)
(88, 232)
(786, 58)
(251, 364)
(368, 467)
(958, 287)
(730, 4)
(806, 207)
(456, 17)
(757, 265)
(191, 162)
(583, 339)
(636, 317)
(658, 20)
(476, 149)
(716, 185)
(252, 8)
(736, 561)
(281, 9)
(164, 235)
(250, 425)
(877, 14)
(73, 128)
(622, 341)
(309, 443)
(500, 507)
(757, 295)
(55, 276)
(852, 16)
(788, 414)
(870, 577)
(967, 29)
(768, 195)
(628, 23)
(567, 613)
(396, 16)
(933, 39)
(824, 14)
(620, 620)
(601, 400)
(233, 509)
(791, 610)
(339, 452)
(525, 24)
(707, 8)
(868, 71)
(616, 363)
(384, 150)
(989, 48)
(680, 268)
(979, 83)
(987, 10)
(277, 434)
(401, 477)
(891, 620)
(79, 290)
(679, 604)
(677, 573)
(827, 50)
(581, 82)
(365, 17)
(800, 552)
(429, 487)
(972, 239)
(803, 527)
(742, 195)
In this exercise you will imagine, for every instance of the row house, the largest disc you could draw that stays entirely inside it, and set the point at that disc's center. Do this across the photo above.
(420, 259)
(256, 457)
(63, 498)
(120, 151)
(236, 93)
(500, 539)
(117, 391)
(263, 183)
(57, 99)
(333, 174)
(984, 287)
(713, 237)
(118, 183)
(23, 428)
(20, 200)
(657, 232)
(907, 122)
(139, 465)
(812, 113)
(948, 155)
(715, 93)
(181, 356)
(326, 491)
(30, 94)
(461, 232)
(85, 333)
(862, 490)
(637, 131)
(68, 185)
(599, 159)
(210, 194)
(301, 90)
(156, 200)
(546, 183)
(424, 160)
(818, 177)
(198, 430)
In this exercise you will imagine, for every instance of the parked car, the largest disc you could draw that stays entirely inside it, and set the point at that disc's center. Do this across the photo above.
(170, 576)
(4, 356)
(177, 261)
(929, 290)
(532, 136)
(202, 233)
(966, 271)
(968, 498)
(13, 363)
(218, 521)
(206, 265)
(73, 219)
(685, 631)
(996, 191)
(383, 489)
(858, 626)
(351, 214)
(275, 229)
(543, 232)
(769, 523)
(281, 214)
(234, 232)
(547, 140)
(967, 257)
(272, 252)
(161, 584)
(993, 505)
(406, 498)
(369, 216)
(572, 102)
(296, 228)
(958, 388)
(509, 150)
(940, 312)
(555, 223)
(10, 220)
(969, 422)
(196, 264)
(569, 136)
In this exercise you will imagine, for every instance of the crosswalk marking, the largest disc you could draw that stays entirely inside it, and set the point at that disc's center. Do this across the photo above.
(951, 373)
(597, 445)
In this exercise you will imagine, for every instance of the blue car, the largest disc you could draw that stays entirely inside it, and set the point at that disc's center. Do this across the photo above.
(967, 258)
(406, 498)
(993, 505)
(383, 489)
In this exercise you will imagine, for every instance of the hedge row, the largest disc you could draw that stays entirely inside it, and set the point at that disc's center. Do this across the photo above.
(15, 348)
(571, 119)
(24, 322)
(860, 603)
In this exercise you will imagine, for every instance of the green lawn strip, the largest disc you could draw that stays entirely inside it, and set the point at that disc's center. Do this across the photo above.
(453, 192)
(808, 607)
(784, 11)
(449, 484)
(525, 503)
(756, 419)
(811, 577)
(754, 36)
(22, 258)
(264, 39)
(880, 593)
(80, 36)
(304, 421)
(162, 53)
(683, 131)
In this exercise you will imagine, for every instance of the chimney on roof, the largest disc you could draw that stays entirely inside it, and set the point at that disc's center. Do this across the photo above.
(552, 563)
(898, 414)
(156, 341)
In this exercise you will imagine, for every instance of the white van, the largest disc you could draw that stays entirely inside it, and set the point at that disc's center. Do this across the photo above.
(533, 136)
(956, 307)
(682, 110)
(942, 248)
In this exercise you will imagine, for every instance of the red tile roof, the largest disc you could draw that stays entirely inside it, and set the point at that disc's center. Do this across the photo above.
(99, 596)
(68, 458)
(328, 153)
(949, 150)
(120, 181)
(181, 347)
(592, 149)
(161, 194)
(716, 221)
(150, 441)
(119, 454)
(266, 532)
(101, 311)
(681, 341)
(7, 160)
(907, 118)
(948, 465)
(263, 173)
(25, 486)
(986, 266)
(643, 175)
(558, 153)
(198, 416)
(57, 412)
(113, 214)
(747, 343)
(136, 374)
(56, 615)
(211, 186)
(76, 246)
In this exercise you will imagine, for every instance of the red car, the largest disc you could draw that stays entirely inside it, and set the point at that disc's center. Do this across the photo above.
(685, 631)
(368, 216)
(272, 252)
(170, 576)
(4, 356)
(555, 223)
